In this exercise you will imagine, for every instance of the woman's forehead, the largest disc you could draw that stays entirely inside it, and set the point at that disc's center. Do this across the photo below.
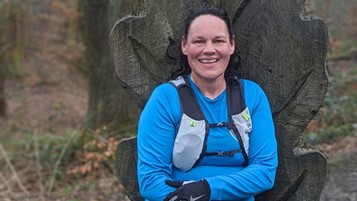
(208, 23)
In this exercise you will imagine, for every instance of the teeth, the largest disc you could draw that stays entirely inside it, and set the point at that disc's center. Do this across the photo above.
(208, 60)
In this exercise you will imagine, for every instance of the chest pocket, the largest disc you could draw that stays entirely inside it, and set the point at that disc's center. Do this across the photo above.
(189, 143)
(243, 123)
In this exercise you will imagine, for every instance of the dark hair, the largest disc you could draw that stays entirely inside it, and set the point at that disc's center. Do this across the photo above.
(184, 68)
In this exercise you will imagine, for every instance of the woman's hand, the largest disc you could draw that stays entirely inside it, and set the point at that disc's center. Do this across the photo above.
(189, 191)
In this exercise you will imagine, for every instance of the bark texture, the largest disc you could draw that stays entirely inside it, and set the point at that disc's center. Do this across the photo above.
(2, 95)
(109, 104)
(282, 50)
(126, 162)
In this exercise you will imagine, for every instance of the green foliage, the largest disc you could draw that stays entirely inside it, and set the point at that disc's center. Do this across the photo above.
(49, 148)
(342, 49)
(349, 44)
(329, 134)
(336, 161)
(60, 158)
(125, 128)
(341, 106)
(63, 192)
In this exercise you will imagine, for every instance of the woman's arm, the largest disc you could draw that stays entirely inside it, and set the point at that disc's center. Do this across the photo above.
(156, 134)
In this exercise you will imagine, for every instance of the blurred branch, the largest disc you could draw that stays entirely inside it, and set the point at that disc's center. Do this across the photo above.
(58, 162)
(6, 184)
(38, 165)
(8, 162)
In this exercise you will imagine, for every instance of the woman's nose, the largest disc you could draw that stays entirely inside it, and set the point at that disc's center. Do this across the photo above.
(209, 48)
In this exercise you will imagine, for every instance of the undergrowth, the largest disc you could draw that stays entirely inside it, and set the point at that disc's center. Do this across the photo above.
(54, 165)
(337, 117)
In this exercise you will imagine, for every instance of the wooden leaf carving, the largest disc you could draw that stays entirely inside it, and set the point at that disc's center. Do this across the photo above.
(285, 53)
(281, 50)
(139, 44)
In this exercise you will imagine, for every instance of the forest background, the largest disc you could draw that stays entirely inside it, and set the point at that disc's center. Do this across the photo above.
(62, 112)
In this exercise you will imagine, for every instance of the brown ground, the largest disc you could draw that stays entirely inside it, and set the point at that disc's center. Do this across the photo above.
(341, 184)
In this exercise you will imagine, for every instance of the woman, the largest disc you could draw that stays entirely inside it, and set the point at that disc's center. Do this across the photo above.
(209, 159)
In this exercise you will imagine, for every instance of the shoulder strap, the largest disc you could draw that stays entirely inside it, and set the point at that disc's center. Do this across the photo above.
(190, 107)
(235, 97)
(188, 101)
(236, 105)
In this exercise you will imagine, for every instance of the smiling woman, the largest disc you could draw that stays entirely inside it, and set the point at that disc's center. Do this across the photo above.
(208, 48)
(206, 134)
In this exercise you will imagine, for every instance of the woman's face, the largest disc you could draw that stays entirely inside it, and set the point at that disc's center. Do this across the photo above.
(208, 48)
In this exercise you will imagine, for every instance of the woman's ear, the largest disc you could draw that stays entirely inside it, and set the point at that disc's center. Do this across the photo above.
(183, 45)
(233, 44)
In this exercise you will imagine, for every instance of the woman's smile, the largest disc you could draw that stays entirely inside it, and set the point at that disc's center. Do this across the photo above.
(208, 48)
(208, 61)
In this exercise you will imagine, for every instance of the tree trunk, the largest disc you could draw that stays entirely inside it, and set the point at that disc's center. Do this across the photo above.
(2, 96)
(109, 104)
(3, 71)
(326, 9)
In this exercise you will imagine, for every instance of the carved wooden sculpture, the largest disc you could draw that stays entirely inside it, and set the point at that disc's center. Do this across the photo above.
(281, 50)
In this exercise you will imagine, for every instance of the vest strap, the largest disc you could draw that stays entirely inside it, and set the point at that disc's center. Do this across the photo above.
(224, 153)
(219, 124)
(236, 105)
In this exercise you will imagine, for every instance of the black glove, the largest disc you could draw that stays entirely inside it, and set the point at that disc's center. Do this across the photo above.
(189, 191)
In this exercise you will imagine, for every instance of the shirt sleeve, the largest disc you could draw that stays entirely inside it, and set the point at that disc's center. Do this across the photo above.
(156, 135)
(259, 175)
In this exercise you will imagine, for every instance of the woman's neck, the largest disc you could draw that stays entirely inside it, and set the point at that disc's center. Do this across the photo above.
(210, 88)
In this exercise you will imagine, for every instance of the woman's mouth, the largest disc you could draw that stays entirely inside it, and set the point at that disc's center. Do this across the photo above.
(208, 61)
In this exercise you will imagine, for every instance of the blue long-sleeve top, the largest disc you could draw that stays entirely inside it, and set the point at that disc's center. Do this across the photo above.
(227, 177)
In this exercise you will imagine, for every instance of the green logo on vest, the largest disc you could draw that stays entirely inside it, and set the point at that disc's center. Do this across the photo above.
(246, 116)
(192, 123)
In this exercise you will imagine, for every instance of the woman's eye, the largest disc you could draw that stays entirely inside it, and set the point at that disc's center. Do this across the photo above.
(219, 41)
(198, 41)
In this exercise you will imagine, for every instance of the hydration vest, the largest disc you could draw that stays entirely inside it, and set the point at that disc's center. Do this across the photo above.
(191, 137)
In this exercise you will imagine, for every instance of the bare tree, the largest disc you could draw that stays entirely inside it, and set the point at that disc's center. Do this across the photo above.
(12, 41)
(109, 104)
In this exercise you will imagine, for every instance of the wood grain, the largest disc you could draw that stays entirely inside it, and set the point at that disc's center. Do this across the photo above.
(282, 50)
